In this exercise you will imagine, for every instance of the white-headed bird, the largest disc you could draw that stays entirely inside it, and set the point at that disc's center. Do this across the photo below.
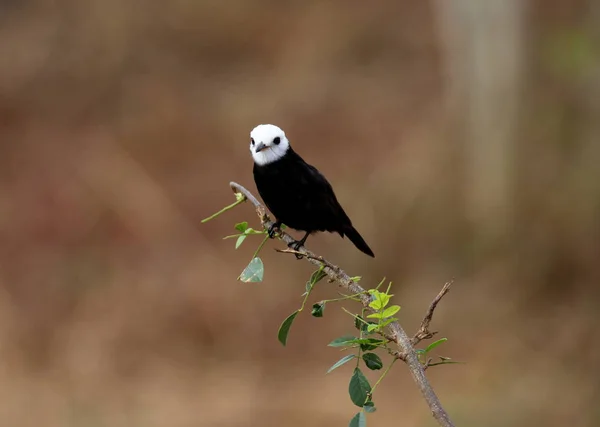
(295, 192)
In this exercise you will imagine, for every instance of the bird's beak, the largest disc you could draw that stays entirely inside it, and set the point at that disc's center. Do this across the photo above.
(260, 147)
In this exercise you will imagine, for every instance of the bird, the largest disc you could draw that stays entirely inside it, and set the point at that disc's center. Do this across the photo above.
(296, 193)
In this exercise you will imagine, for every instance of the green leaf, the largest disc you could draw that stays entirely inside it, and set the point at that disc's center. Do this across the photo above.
(284, 329)
(359, 388)
(385, 299)
(356, 279)
(372, 361)
(376, 304)
(387, 321)
(254, 272)
(435, 344)
(390, 311)
(359, 322)
(342, 341)
(317, 276)
(380, 300)
(375, 316)
(341, 362)
(359, 420)
(317, 309)
(372, 327)
(362, 325)
(241, 227)
(365, 343)
(370, 344)
(240, 240)
(369, 406)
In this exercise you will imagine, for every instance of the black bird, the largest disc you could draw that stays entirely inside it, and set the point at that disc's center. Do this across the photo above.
(296, 192)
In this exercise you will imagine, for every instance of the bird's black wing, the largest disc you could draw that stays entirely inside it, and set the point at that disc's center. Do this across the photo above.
(332, 214)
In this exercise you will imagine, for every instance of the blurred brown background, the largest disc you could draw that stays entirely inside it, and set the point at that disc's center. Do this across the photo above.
(462, 137)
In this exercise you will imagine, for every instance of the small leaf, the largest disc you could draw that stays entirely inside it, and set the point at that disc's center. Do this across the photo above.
(341, 362)
(359, 388)
(385, 299)
(376, 304)
(359, 420)
(365, 343)
(372, 327)
(242, 226)
(380, 300)
(356, 279)
(375, 316)
(317, 275)
(240, 240)
(390, 311)
(317, 309)
(362, 325)
(387, 321)
(253, 272)
(369, 407)
(435, 344)
(370, 344)
(284, 329)
(359, 322)
(372, 361)
(342, 341)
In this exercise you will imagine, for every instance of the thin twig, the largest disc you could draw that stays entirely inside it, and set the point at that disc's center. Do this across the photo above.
(424, 333)
(406, 350)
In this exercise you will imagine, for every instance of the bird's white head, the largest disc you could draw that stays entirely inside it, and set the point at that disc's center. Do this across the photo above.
(268, 144)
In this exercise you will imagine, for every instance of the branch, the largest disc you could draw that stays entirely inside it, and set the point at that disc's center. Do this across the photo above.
(424, 333)
(406, 350)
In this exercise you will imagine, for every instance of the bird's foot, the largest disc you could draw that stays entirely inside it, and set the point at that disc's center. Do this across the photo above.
(295, 245)
(274, 229)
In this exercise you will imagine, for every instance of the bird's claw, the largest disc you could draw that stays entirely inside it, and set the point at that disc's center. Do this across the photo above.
(273, 229)
(296, 246)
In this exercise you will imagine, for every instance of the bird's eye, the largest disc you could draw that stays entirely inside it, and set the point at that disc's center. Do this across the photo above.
(277, 140)
(252, 141)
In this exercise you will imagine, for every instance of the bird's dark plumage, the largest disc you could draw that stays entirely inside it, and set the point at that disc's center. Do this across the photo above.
(300, 197)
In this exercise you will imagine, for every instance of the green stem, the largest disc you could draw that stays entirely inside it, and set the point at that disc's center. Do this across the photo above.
(310, 288)
(344, 297)
(225, 209)
(360, 335)
(383, 375)
(352, 314)
(260, 246)
(380, 283)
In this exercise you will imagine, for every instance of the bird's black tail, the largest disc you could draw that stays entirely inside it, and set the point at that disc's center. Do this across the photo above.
(358, 241)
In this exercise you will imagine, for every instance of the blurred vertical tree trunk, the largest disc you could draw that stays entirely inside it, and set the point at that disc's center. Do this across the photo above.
(588, 164)
(482, 48)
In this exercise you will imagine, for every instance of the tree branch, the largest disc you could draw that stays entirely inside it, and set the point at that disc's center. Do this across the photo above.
(406, 350)
(424, 333)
